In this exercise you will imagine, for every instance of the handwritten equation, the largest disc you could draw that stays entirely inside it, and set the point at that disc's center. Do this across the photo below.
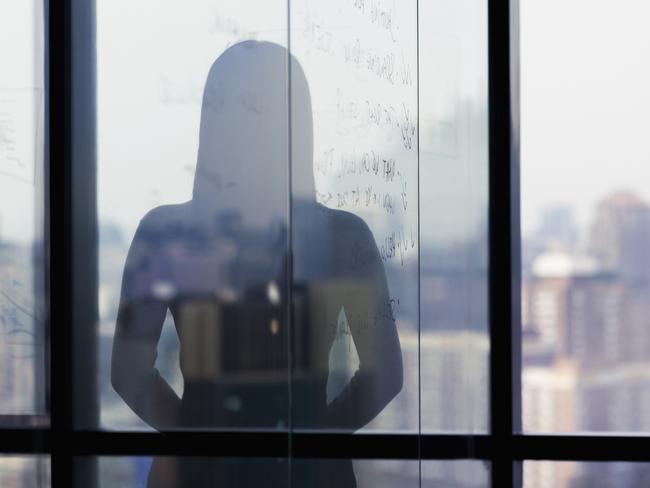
(20, 109)
(359, 58)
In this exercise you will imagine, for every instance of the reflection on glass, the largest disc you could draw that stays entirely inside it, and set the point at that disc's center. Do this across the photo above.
(22, 258)
(134, 472)
(355, 253)
(131, 472)
(454, 344)
(149, 116)
(219, 264)
(349, 354)
(24, 472)
(369, 473)
(275, 283)
(542, 474)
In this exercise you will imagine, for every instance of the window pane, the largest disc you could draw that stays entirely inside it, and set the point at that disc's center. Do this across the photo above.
(192, 193)
(259, 215)
(170, 472)
(219, 262)
(354, 214)
(23, 301)
(386, 473)
(127, 472)
(585, 217)
(454, 343)
(25, 472)
(542, 474)
(456, 474)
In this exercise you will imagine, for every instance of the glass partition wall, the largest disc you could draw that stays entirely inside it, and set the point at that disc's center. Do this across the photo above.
(278, 243)
(260, 185)
(23, 301)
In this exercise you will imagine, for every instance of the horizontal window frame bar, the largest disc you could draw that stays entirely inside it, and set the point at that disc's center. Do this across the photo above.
(24, 421)
(23, 441)
(578, 447)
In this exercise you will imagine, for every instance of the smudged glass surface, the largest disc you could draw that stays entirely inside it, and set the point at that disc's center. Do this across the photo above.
(23, 300)
(354, 213)
(453, 343)
(203, 315)
(127, 472)
(261, 200)
(193, 255)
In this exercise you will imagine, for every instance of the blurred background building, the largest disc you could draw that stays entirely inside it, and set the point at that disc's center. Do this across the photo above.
(586, 330)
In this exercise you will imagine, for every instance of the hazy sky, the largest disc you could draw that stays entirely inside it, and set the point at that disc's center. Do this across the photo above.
(585, 83)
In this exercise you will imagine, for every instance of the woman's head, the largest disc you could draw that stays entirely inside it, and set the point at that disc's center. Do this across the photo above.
(256, 120)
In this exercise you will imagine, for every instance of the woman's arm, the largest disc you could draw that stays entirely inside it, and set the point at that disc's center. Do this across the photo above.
(372, 325)
(139, 324)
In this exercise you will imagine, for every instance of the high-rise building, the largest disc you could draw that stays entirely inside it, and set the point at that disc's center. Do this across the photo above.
(584, 313)
(620, 237)
(557, 228)
(576, 309)
(586, 338)
(561, 398)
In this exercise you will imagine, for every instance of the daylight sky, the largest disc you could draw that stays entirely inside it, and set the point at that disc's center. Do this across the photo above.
(585, 100)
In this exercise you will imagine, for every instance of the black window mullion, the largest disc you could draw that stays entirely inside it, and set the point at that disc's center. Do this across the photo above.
(58, 96)
(504, 238)
(72, 233)
(82, 280)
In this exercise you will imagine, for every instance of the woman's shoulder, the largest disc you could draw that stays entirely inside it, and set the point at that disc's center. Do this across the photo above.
(165, 214)
(344, 240)
(162, 222)
(350, 227)
(333, 220)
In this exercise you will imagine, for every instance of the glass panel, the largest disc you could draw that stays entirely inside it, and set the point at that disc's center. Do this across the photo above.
(193, 199)
(455, 474)
(454, 343)
(585, 217)
(260, 211)
(385, 473)
(354, 213)
(230, 240)
(167, 472)
(542, 474)
(25, 472)
(23, 304)
(126, 472)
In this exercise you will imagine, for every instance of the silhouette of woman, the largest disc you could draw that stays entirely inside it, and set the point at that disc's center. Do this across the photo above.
(267, 289)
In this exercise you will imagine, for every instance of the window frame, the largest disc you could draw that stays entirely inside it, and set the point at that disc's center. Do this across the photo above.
(72, 267)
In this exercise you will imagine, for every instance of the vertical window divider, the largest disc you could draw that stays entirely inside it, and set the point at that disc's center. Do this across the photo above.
(72, 233)
(504, 239)
(58, 51)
